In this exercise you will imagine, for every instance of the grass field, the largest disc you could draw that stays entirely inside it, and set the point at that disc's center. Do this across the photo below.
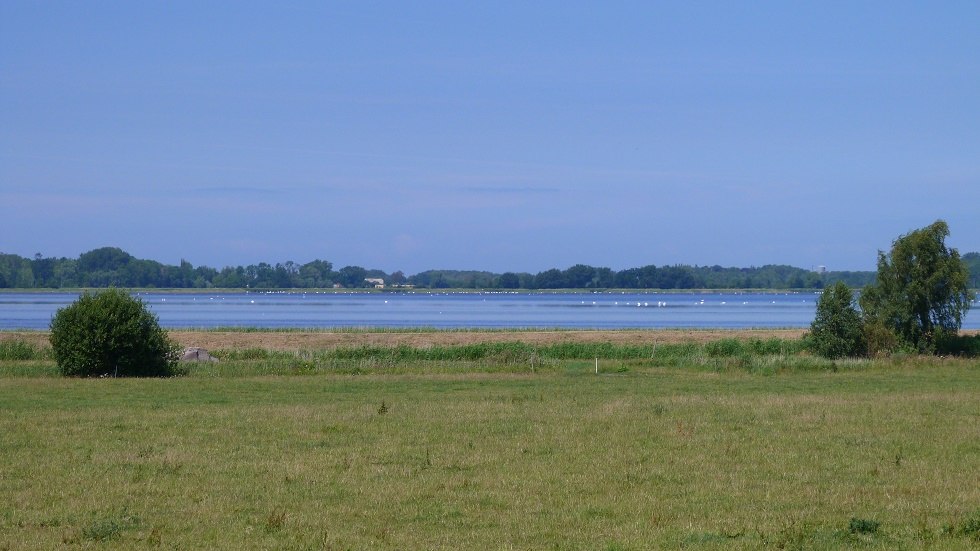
(703, 444)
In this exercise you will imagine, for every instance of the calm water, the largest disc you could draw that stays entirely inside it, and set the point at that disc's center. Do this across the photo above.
(471, 310)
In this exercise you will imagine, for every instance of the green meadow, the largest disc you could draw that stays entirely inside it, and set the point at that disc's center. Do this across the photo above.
(722, 445)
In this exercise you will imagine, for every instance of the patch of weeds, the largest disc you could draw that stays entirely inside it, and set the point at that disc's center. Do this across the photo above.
(70, 538)
(923, 533)
(155, 538)
(968, 527)
(971, 528)
(275, 522)
(170, 467)
(383, 409)
(109, 528)
(862, 526)
(303, 367)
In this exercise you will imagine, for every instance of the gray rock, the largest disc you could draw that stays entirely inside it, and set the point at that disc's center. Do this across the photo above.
(195, 354)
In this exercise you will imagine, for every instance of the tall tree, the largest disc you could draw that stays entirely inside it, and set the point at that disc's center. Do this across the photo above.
(921, 288)
(509, 280)
(352, 276)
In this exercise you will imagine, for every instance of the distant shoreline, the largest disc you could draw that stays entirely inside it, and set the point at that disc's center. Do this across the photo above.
(417, 291)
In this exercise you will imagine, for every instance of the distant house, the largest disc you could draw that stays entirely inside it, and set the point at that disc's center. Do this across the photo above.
(376, 281)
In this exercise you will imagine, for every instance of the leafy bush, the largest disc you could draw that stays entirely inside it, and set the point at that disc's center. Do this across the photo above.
(958, 345)
(837, 329)
(111, 333)
(881, 341)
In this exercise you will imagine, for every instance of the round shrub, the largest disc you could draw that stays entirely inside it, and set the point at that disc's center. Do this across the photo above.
(110, 333)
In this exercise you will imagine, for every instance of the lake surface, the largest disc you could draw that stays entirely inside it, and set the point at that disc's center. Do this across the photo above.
(450, 310)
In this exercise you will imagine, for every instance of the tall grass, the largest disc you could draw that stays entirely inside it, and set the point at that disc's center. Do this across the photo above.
(505, 352)
(764, 357)
(18, 350)
(756, 356)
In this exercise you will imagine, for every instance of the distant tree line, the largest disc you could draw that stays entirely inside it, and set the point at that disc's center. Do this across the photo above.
(113, 267)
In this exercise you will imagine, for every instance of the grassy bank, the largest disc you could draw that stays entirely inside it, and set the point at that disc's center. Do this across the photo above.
(673, 445)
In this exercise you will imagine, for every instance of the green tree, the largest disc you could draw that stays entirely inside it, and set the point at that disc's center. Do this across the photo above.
(921, 291)
(397, 277)
(837, 329)
(111, 333)
(230, 277)
(579, 276)
(550, 279)
(316, 273)
(509, 280)
(352, 276)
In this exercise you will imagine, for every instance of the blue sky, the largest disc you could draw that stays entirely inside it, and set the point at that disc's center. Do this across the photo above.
(501, 136)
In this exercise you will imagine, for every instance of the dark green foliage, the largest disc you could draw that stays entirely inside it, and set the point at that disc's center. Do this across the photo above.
(551, 279)
(921, 289)
(111, 333)
(509, 280)
(774, 347)
(958, 345)
(837, 330)
(970, 527)
(863, 526)
(731, 348)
